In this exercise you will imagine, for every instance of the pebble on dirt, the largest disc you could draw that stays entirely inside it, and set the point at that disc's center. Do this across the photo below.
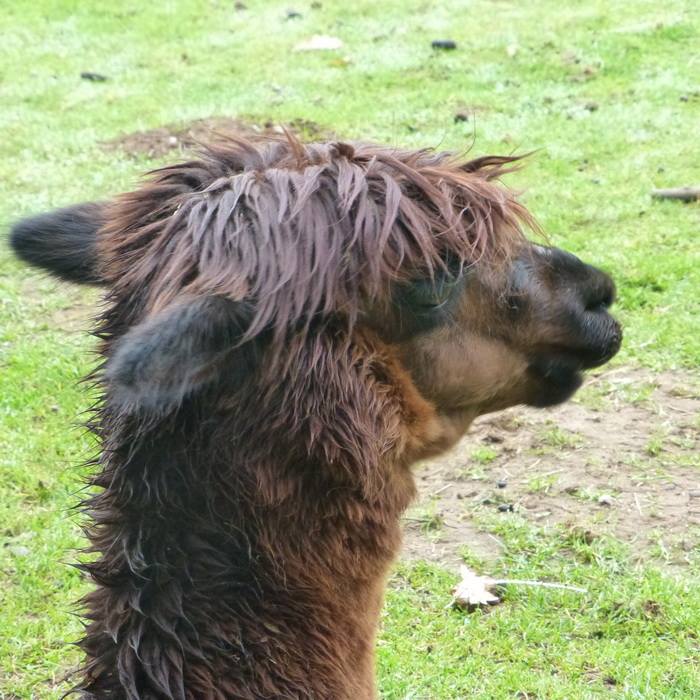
(444, 44)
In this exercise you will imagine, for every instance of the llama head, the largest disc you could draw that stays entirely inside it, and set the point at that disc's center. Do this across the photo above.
(289, 256)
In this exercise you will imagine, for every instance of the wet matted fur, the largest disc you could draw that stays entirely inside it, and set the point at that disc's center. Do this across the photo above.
(270, 309)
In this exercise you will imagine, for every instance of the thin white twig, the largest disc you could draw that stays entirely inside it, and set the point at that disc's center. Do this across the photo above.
(542, 584)
(496, 540)
(636, 500)
(440, 490)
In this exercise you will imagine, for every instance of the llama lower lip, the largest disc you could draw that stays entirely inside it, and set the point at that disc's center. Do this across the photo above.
(556, 379)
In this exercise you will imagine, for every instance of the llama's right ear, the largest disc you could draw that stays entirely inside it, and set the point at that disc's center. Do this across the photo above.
(63, 242)
(178, 352)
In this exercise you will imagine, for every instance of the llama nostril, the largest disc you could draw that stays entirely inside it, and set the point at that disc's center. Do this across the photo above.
(601, 297)
(602, 305)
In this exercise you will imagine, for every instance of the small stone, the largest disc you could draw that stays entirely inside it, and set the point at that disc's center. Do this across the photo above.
(54, 408)
(20, 551)
(695, 493)
(444, 44)
(684, 98)
(94, 77)
(172, 141)
(493, 439)
(501, 483)
(505, 508)
(606, 500)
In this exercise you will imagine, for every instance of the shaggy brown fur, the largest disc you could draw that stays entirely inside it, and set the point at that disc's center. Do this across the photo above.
(301, 230)
(279, 317)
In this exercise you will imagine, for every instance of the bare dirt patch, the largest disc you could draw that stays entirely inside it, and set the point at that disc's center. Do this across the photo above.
(177, 138)
(76, 316)
(622, 459)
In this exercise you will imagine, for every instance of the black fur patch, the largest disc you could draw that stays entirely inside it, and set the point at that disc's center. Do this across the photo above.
(63, 242)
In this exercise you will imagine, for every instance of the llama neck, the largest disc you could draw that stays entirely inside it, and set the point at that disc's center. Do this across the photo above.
(244, 540)
(209, 589)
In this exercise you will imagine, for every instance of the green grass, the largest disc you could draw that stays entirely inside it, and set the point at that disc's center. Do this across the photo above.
(629, 636)
(608, 96)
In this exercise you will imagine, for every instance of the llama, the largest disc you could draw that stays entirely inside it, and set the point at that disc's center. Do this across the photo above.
(288, 328)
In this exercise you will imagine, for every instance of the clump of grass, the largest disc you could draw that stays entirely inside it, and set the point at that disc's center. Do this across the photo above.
(595, 397)
(428, 518)
(558, 438)
(541, 483)
(636, 393)
(592, 494)
(655, 445)
(484, 455)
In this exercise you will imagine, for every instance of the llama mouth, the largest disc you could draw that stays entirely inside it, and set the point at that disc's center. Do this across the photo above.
(557, 370)
(557, 377)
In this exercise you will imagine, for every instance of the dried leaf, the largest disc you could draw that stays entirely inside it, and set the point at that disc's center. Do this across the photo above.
(472, 591)
(475, 591)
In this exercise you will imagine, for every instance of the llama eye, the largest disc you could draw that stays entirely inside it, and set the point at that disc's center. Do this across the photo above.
(426, 294)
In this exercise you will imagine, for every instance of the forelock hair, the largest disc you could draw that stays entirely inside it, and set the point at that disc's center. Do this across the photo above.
(304, 231)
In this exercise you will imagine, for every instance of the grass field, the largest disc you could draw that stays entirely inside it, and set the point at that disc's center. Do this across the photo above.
(606, 93)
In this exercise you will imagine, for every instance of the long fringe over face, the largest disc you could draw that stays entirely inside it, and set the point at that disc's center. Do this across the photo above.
(301, 231)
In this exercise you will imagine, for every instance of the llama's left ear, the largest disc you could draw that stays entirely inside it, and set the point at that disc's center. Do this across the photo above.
(62, 242)
(167, 358)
